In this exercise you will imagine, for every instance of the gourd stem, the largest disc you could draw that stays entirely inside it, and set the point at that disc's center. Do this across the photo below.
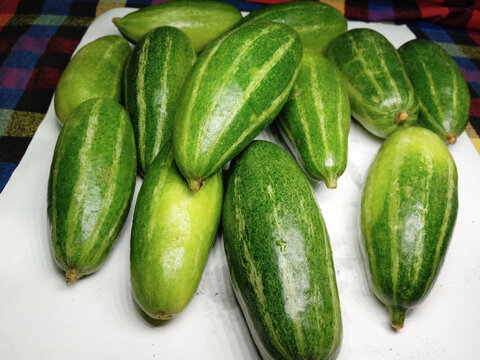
(397, 317)
(403, 116)
(72, 275)
(331, 182)
(452, 139)
(195, 184)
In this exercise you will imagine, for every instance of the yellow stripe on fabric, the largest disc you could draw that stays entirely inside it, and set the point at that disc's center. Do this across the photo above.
(464, 51)
(337, 4)
(22, 20)
(105, 6)
(476, 143)
(4, 119)
(19, 123)
(50, 20)
(77, 21)
(474, 138)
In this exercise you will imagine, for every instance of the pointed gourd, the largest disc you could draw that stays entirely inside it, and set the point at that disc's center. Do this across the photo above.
(172, 234)
(279, 257)
(440, 88)
(235, 90)
(96, 70)
(316, 119)
(154, 75)
(203, 21)
(317, 23)
(91, 184)
(408, 211)
(381, 96)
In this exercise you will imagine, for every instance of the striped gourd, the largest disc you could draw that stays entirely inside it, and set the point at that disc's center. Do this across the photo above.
(316, 23)
(173, 231)
(381, 95)
(94, 71)
(92, 179)
(203, 21)
(279, 257)
(235, 89)
(440, 88)
(316, 119)
(408, 211)
(154, 76)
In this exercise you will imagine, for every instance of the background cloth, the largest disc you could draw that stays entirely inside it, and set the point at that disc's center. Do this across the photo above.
(37, 39)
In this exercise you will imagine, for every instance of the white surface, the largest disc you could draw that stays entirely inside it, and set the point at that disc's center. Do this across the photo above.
(96, 318)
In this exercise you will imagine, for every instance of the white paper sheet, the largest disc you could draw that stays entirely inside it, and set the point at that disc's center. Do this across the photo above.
(41, 317)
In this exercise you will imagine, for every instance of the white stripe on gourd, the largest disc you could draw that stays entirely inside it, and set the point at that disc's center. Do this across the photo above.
(107, 57)
(206, 128)
(193, 97)
(341, 100)
(455, 94)
(268, 112)
(256, 281)
(254, 278)
(445, 220)
(256, 79)
(302, 117)
(394, 209)
(78, 194)
(155, 196)
(433, 95)
(142, 106)
(386, 69)
(428, 117)
(162, 100)
(331, 276)
(298, 282)
(110, 192)
(319, 110)
(365, 69)
(420, 232)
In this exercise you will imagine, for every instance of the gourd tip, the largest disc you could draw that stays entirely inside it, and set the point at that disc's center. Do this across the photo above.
(331, 182)
(403, 116)
(195, 184)
(397, 318)
(451, 139)
(165, 316)
(72, 275)
(115, 20)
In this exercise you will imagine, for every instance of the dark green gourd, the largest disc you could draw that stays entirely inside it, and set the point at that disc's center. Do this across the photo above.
(154, 77)
(279, 256)
(91, 184)
(316, 119)
(235, 90)
(381, 96)
(440, 88)
(316, 23)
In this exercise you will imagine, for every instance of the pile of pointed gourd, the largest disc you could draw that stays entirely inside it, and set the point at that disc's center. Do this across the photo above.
(185, 117)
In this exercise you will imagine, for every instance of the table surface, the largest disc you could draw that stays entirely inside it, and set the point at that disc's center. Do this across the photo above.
(37, 39)
(43, 318)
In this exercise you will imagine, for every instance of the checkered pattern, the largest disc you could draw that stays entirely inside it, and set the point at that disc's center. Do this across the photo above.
(38, 37)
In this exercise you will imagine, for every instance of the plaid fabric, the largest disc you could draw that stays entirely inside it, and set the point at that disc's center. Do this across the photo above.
(38, 37)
